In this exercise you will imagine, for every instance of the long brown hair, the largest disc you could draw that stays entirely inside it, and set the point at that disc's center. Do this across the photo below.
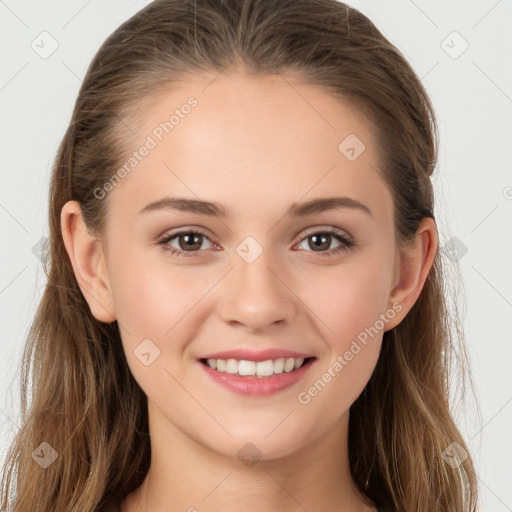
(85, 402)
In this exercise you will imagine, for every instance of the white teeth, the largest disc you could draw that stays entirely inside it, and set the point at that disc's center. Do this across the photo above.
(289, 364)
(259, 369)
(231, 366)
(279, 365)
(265, 368)
(246, 367)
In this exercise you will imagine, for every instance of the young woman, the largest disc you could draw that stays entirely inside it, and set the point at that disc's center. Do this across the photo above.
(245, 306)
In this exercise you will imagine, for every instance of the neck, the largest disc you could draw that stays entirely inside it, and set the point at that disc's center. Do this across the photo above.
(187, 476)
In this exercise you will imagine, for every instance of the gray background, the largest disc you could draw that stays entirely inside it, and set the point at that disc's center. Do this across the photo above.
(472, 94)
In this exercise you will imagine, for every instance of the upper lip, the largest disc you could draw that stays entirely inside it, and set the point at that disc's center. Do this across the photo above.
(257, 355)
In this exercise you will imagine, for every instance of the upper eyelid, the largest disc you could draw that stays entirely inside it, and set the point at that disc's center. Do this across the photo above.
(329, 229)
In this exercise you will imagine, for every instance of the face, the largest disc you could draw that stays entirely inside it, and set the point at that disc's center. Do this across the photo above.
(259, 279)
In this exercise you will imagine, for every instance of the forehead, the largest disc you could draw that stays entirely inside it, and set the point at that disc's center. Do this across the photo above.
(251, 139)
(255, 106)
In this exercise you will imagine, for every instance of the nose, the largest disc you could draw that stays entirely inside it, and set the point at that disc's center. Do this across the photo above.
(256, 297)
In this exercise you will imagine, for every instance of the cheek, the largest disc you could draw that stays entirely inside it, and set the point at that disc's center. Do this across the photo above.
(164, 303)
(348, 299)
(351, 304)
(152, 299)
(157, 308)
(352, 331)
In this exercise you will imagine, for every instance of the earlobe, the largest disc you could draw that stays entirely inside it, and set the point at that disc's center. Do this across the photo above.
(415, 262)
(88, 261)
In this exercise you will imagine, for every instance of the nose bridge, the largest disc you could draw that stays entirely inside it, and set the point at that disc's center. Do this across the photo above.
(255, 294)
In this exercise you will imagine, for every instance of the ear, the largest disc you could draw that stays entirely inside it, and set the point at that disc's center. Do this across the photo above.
(88, 261)
(411, 271)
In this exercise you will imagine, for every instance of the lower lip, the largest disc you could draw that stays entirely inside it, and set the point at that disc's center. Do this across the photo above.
(257, 386)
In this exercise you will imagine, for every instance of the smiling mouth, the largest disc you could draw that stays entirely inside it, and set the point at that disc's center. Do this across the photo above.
(260, 369)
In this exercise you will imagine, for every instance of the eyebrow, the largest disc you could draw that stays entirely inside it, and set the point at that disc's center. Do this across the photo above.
(201, 207)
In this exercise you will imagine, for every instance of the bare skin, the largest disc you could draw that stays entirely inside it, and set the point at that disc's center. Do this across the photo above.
(256, 146)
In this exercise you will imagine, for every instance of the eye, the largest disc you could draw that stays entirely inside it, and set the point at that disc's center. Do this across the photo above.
(189, 242)
(322, 239)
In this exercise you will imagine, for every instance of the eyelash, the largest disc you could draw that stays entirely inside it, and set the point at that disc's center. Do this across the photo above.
(346, 242)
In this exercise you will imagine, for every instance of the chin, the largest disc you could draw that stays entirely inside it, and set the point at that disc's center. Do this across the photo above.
(261, 443)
